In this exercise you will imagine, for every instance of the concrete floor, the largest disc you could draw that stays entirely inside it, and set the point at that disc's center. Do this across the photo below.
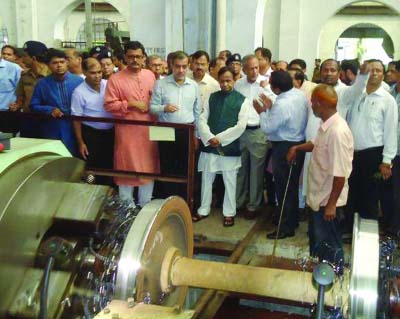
(212, 230)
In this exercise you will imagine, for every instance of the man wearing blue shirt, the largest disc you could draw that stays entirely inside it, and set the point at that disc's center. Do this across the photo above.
(284, 122)
(52, 96)
(10, 74)
(176, 99)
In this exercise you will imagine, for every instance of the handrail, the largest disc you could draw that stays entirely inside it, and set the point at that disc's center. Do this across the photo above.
(188, 179)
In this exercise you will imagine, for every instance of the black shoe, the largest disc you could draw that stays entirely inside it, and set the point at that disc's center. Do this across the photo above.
(250, 214)
(282, 234)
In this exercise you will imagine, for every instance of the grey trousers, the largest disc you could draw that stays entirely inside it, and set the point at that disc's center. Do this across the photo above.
(253, 147)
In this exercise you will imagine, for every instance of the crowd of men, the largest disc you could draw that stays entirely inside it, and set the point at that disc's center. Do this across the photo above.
(262, 125)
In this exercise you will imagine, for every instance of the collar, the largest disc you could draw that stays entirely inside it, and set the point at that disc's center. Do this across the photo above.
(328, 123)
(170, 79)
(339, 84)
(205, 79)
(283, 94)
(380, 91)
(2, 63)
(103, 84)
(66, 75)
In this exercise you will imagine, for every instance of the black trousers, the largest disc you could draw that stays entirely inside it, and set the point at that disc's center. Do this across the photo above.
(100, 145)
(389, 195)
(8, 123)
(281, 170)
(365, 183)
(173, 161)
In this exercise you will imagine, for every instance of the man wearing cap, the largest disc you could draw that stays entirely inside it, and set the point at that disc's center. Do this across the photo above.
(95, 140)
(96, 50)
(235, 62)
(106, 62)
(74, 59)
(36, 59)
(128, 96)
(10, 74)
(52, 96)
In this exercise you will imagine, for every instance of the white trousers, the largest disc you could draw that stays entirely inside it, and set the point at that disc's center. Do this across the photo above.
(229, 205)
(144, 195)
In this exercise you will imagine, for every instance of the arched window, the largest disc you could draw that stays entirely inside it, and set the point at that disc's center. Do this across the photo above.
(99, 26)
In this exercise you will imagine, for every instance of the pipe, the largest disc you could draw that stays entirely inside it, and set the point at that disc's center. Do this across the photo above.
(45, 288)
(269, 282)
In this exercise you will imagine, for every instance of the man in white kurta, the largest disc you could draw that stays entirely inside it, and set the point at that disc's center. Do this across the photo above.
(221, 123)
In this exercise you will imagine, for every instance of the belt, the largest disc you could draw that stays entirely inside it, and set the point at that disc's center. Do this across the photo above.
(252, 127)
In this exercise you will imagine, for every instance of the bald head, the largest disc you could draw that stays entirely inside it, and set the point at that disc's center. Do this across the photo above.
(92, 69)
(89, 63)
(324, 100)
(325, 95)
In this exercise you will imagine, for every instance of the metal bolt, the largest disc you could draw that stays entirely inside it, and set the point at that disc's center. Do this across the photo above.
(66, 302)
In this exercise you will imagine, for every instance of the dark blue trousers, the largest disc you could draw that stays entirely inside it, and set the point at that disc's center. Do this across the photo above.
(325, 237)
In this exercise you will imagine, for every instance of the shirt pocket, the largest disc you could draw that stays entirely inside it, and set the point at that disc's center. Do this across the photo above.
(321, 156)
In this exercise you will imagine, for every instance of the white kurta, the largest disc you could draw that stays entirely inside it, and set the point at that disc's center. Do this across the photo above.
(210, 162)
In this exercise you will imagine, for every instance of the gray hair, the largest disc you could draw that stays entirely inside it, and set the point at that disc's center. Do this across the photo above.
(247, 58)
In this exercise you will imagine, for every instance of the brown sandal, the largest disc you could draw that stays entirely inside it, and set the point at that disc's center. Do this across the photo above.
(229, 221)
(196, 217)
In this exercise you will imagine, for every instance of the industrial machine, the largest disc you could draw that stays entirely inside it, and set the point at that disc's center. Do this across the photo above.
(73, 250)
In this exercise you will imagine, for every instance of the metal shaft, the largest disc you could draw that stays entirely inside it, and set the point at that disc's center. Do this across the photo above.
(269, 282)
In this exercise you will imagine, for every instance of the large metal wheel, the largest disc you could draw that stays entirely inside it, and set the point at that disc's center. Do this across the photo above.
(364, 269)
(160, 225)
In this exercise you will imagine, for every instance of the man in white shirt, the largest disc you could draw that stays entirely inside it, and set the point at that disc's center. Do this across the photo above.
(330, 168)
(373, 120)
(207, 84)
(253, 142)
(329, 75)
(95, 140)
(264, 56)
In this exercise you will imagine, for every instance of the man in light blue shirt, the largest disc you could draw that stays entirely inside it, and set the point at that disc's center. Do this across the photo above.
(10, 74)
(95, 139)
(176, 99)
(285, 122)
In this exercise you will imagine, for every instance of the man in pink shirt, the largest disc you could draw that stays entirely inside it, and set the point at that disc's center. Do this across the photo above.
(128, 96)
(330, 167)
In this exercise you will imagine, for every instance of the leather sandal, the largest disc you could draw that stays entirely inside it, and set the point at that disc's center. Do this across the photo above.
(229, 221)
(196, 217)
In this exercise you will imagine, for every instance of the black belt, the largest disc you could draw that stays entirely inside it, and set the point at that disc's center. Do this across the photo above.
(371, 149)
(253, 127)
